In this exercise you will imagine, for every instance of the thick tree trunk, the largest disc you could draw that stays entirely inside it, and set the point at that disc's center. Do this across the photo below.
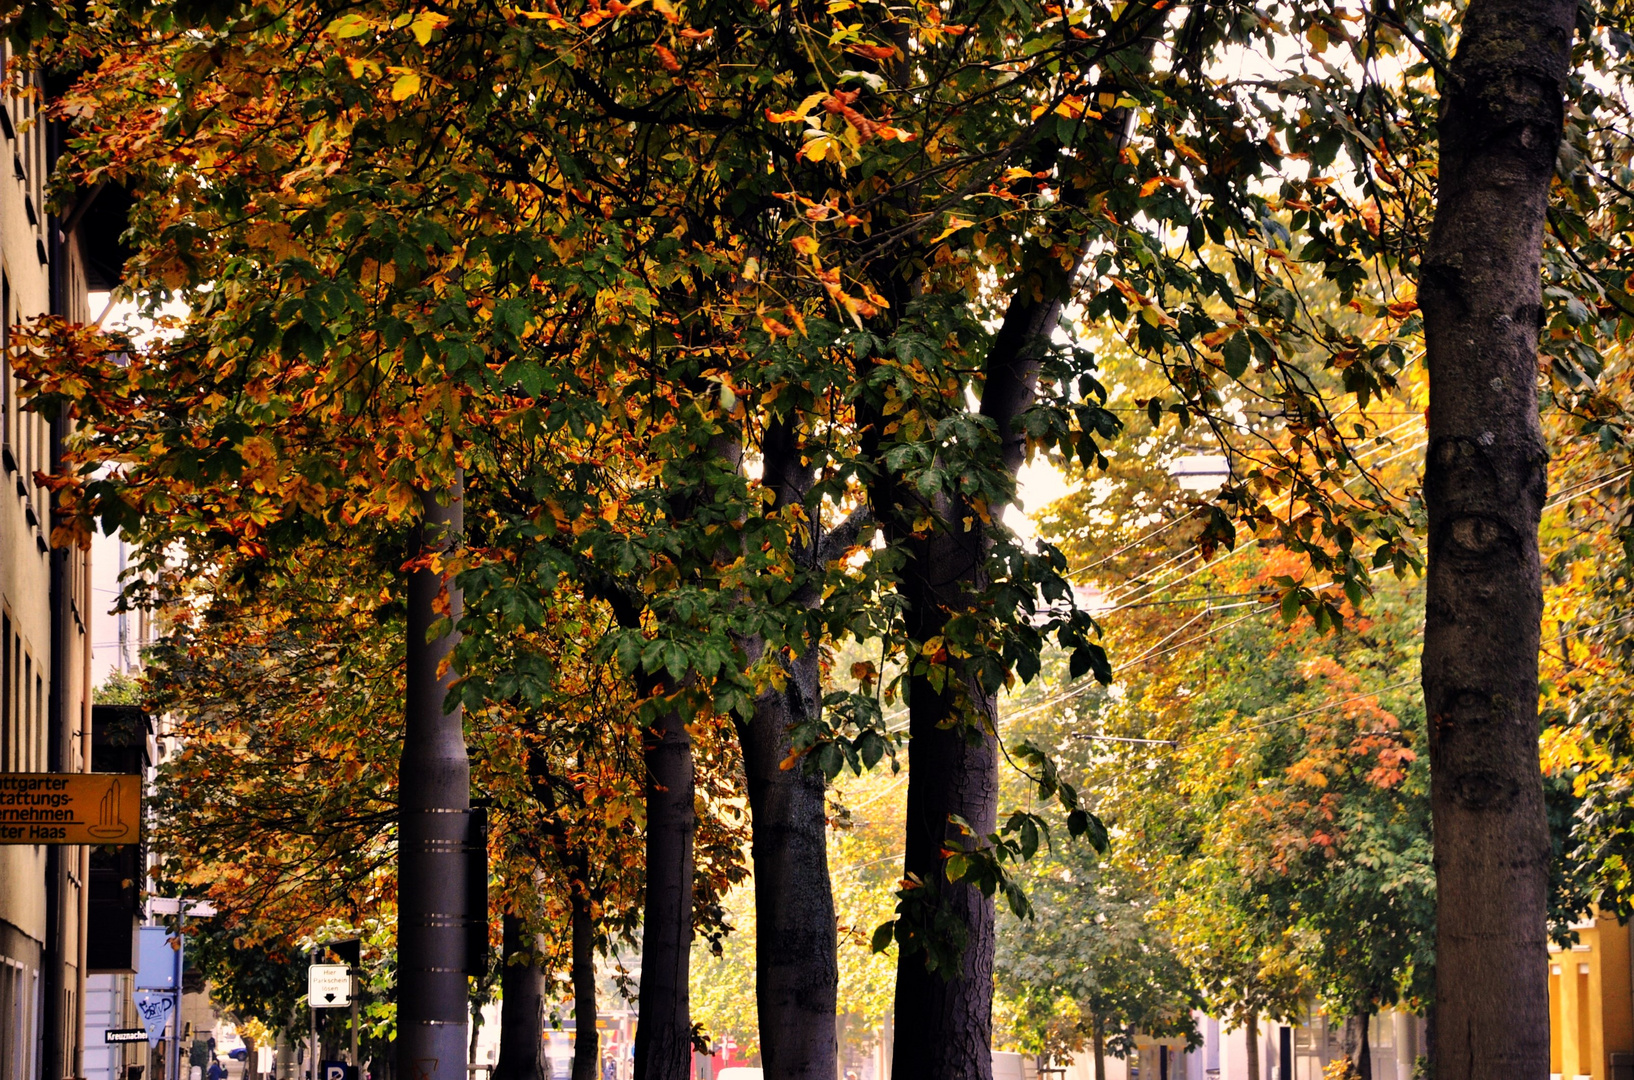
(1364, 1052)
(434, 790)
(586, 1040)
(1100, 1048)
(1484, 488)
(944, 1025)
(796, 968)
(1251, 1028)
(521, 1007)
(663, 1038)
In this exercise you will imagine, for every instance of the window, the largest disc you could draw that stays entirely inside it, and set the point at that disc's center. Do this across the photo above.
(19, 1015)
(27, 740)
(8, 395)
(37, 744)
(8, 694)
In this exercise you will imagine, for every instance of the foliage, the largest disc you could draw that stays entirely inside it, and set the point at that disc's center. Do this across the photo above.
(1092, 965)
(595, 257)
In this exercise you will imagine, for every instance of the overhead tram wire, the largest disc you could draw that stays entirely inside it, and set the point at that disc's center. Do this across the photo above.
(1078, 691)
(1575, 491)
(1148, 589)
(1259, 726)
(1169, 525)
(1189, 557)
(1200, 565)
(1153, 587)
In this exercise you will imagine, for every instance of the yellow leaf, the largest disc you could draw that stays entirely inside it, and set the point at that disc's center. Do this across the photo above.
(799, 112)
(406, 86)
(1150, 186)
(953, 225)
(350, 25)
(424, 23)
(820, 147)
(805, 245)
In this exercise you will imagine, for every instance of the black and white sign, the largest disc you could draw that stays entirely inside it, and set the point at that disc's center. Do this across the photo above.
(124, 1035)
(328, 986)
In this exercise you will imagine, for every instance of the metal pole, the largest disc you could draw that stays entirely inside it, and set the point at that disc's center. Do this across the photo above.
(312, 1012)
(357, 1065)
(176, 991)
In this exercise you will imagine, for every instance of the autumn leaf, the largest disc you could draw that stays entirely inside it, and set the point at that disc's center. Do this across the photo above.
(406, 85)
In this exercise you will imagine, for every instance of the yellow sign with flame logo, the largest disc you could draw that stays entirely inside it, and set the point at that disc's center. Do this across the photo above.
(70, 808)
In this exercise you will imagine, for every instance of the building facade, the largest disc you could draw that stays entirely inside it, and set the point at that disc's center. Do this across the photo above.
(1591, 1004)
(45, 721)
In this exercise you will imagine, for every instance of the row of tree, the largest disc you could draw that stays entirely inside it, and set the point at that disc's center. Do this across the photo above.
(580, 378)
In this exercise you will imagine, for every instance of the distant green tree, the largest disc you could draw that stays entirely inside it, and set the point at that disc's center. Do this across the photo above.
(119, 688)
(1091, 969)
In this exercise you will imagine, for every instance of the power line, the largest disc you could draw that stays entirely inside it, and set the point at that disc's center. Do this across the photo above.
(1216, 737)
(1188, 557)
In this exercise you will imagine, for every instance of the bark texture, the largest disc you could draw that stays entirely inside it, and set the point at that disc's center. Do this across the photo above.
(1252, 1029)
(1484, 489)
(663, 1039)
(521, 1007)
(586, 1039)
(944, 1025)
(435, 799)
(796, 968)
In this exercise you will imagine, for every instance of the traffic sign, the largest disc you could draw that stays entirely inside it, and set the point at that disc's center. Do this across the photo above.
(328, 986)
(125, 1035)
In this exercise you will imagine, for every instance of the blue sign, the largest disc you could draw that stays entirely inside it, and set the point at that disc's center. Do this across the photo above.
(155, 959)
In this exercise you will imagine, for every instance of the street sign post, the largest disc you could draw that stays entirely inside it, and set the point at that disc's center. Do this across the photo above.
(70, 808)
(329, 986)
(181, 907)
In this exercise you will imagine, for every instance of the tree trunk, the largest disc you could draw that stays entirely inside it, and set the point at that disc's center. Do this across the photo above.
(663, 1038)
(586, 1040)
(1252, 1028)
(1100, 1048)
(521, 1006)
(434, 790)
(1484, 488)
(944, 1025)
(1364, 1053)
(796, 968)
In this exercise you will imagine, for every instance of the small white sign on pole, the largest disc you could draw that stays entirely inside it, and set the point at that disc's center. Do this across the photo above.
(328, 986)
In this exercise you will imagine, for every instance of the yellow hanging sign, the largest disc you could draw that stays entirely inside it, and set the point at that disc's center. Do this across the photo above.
(70, 808)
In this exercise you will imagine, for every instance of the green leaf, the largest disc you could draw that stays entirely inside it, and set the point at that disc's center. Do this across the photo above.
(884, 933)
(1091, 658)
(1290, 605)
(1237, 353)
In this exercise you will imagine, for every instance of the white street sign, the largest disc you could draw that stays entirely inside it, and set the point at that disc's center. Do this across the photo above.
(169, 905)
(328, 986)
